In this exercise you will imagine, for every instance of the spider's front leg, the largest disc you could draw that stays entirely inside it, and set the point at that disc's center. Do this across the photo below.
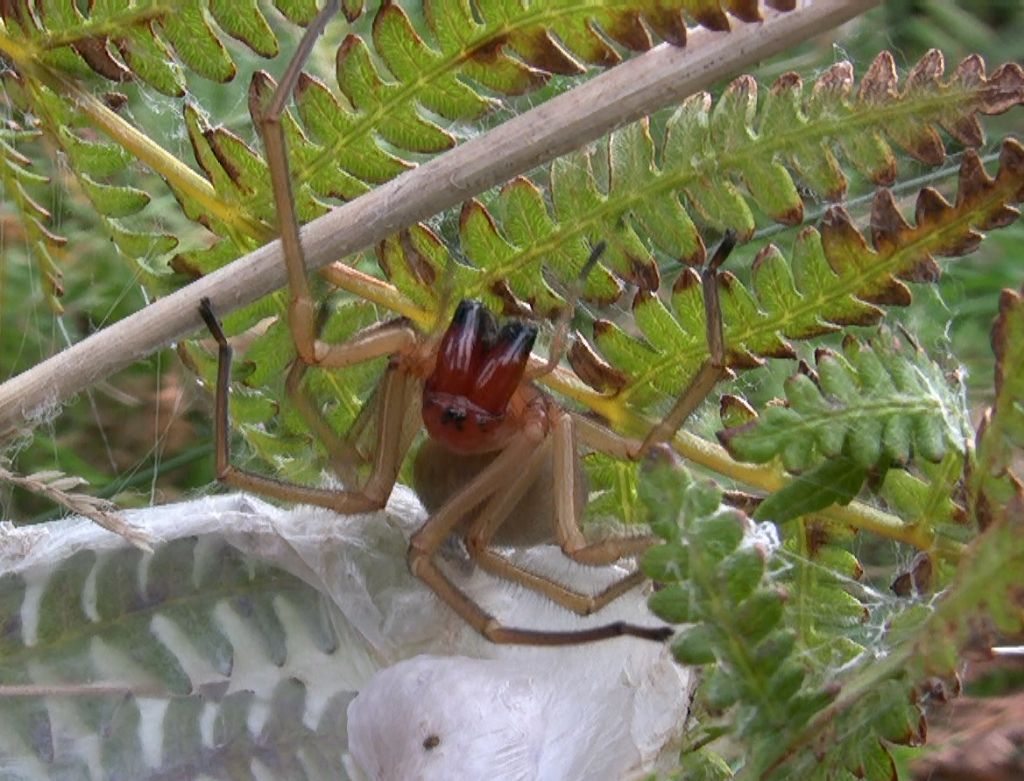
(397, 390)
(570, 426)
(713, 368)
(302, 310)
(711, 371)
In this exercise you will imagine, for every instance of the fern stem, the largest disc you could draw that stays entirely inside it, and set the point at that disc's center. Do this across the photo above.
(765, 477)
(856, 515)
(112, 24)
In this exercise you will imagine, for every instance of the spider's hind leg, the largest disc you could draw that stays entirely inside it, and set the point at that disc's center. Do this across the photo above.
(491, 488)
(504, 505)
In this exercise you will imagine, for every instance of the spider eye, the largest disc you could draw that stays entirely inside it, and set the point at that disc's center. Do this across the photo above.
(453, 416)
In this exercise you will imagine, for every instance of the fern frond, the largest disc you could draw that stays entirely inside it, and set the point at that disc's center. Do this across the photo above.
(995, 487)
(877, 402)
(147, 630)
(151, 40)
(18, 182)
(728, 160)
(879, 408)
(506, 48)
(405, 94)
(924, 642)
(835, 277)
(100, 168)
(718, 585)
(336, 153)
(771, 650)
(821, 607)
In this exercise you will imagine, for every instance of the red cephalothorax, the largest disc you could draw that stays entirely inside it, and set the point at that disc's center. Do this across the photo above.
(479, 367)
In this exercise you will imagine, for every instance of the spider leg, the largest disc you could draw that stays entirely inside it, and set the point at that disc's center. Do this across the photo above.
(386, 339)
(714, 367)
(302, 311)
(424, 545)
(578, 602)
(343, 458)
(497, 511)
(605, 440)
(302, 315)
(389, 452)
(567, 528)
(394, 337)
(560, 338)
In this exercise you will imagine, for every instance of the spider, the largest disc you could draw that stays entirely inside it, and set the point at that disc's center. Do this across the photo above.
(500, 465)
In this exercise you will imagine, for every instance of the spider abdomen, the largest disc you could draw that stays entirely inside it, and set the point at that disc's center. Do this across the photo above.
(438, 473)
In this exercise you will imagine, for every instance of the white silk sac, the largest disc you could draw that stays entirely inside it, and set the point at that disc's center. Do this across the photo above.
(427, 697)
